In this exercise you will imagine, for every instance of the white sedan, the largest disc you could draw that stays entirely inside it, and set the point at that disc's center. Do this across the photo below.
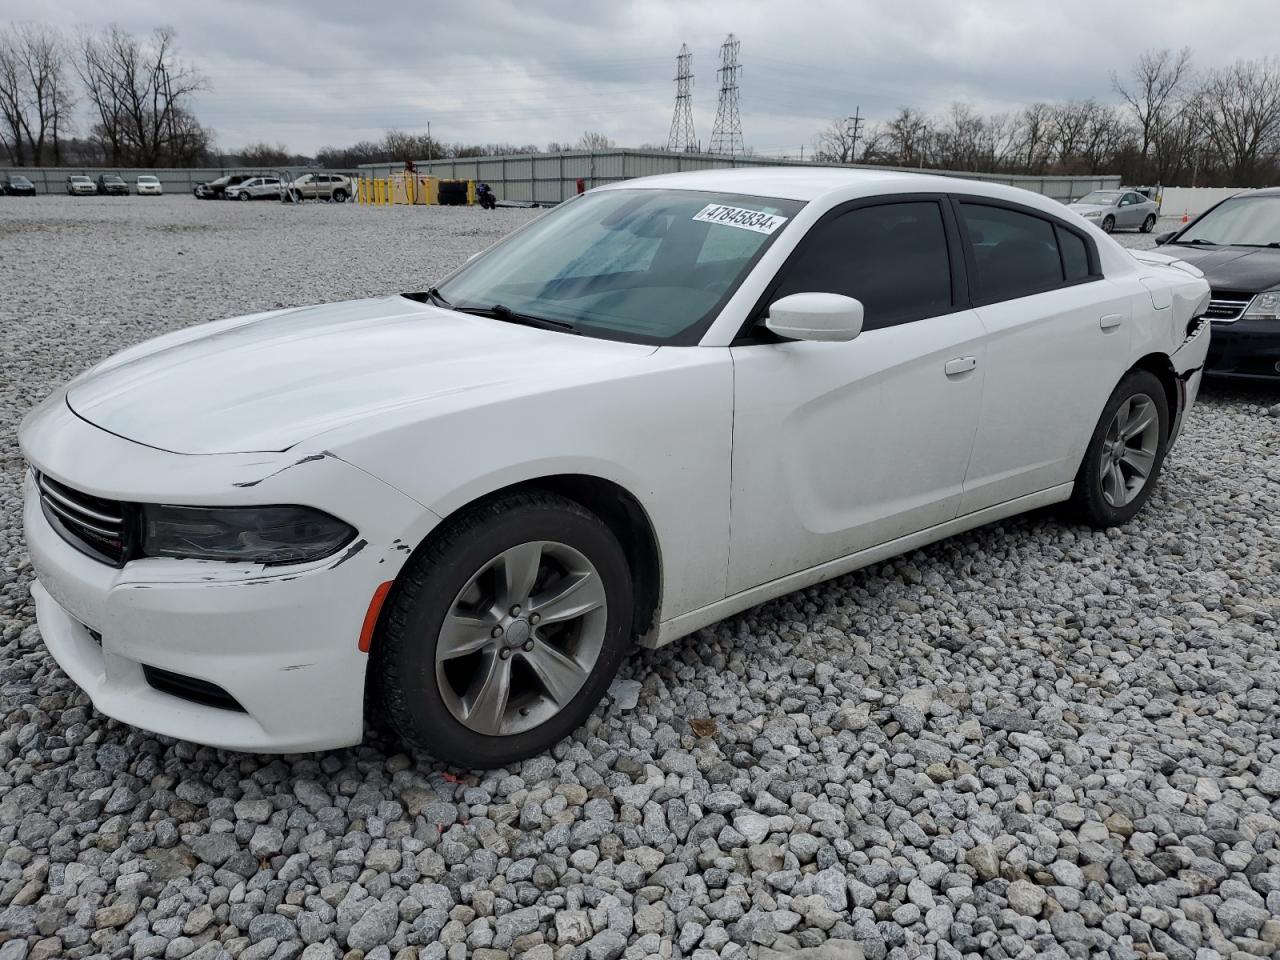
(662, 403)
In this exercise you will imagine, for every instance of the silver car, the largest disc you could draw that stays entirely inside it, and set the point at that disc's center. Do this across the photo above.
(255, 188)
(1118, 210)
(321, 186)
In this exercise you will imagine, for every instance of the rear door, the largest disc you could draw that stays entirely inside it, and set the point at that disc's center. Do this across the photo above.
(842, 446)
(1057, 344)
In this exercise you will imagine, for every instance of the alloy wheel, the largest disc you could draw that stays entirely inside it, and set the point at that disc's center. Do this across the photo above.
(1129, 451)
(521, 638)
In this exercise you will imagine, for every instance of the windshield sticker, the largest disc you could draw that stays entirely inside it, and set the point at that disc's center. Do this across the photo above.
(739, 217)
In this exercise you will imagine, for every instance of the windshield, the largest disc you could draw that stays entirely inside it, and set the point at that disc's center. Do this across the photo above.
(1103, 198)
(148, 180)
(1244, 221)
(81, 180)
(645, 266)
(20, 181)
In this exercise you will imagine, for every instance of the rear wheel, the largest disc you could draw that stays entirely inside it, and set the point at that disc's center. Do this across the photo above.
(339, 196)
(1125, 454)
(504, 632)
(1108, 223)
(1149, 224)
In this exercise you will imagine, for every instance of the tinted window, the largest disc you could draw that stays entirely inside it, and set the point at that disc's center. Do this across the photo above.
(892, 257)
(1015, 254)
(1075, 255)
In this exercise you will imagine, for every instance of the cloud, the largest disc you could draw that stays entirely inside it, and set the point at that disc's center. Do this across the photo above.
(328, 72)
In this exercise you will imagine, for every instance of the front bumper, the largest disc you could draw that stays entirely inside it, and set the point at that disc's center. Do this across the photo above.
(1245, 349)
(282, 642)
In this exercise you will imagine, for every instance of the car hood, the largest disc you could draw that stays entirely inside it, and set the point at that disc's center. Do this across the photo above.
(268, 381)
(1083, 208)
(1243, 269)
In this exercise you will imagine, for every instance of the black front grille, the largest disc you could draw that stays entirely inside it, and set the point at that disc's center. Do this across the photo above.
(190, 688)
(1227, 305)
(102, 529)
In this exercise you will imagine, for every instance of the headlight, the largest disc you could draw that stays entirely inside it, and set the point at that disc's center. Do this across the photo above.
(1092, 214)
(284, 534)
(1265, 306)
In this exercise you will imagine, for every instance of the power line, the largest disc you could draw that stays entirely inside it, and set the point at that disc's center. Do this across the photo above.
(681, 136)
(726, 135)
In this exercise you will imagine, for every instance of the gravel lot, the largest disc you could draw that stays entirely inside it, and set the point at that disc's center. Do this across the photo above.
(1033, 740)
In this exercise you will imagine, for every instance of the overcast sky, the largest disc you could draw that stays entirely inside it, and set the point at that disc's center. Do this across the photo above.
(314, 72)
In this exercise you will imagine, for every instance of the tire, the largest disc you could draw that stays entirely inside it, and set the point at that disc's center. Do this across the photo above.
(243, 196)
(1108, 223)
(1149, 224)
(436, 700)
(1109, 487)
(339, 196)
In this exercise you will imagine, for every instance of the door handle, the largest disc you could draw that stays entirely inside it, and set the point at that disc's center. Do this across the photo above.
(959, 365)
(1110, 321)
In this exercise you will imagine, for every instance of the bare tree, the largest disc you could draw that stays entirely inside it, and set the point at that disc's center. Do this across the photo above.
(907, 137)
(1152, 91)
(140, 93)
(35, 96)
(836, 143)
(264, 154)
(1240, 110)
(594, 140)
(13, 100)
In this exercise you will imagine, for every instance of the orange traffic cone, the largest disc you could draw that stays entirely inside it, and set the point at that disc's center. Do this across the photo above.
(1185, 218)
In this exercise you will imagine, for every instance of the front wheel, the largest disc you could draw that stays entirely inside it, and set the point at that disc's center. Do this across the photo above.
(1149, 224)
(243, 196)
(1108, 223)
(504, 631)
(1125, 454)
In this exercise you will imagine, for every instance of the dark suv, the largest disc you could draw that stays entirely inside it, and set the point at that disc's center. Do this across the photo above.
(112, 185)
(1237, 245)
(16, 185)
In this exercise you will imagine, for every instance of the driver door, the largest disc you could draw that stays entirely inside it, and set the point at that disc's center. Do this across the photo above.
(838, 447)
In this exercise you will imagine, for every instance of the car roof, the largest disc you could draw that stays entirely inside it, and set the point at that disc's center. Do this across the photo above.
(835, 184)
(1264, 192)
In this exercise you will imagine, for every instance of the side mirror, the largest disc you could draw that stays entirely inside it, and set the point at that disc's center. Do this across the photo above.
(1163, 238)
(815, 316)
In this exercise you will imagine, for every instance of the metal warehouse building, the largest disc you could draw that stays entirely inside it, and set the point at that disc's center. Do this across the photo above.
(548, 178)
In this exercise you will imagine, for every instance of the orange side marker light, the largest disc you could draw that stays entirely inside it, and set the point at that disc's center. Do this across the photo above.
(371, 615)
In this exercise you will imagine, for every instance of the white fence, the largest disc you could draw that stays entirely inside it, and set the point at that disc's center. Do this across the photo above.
(549, 178)
(1193, 200)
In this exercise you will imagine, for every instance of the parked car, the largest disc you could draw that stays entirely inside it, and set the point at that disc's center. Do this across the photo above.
(660, 404)
(321, 186)
(1237, 245)
(79, 186)
(111, 184)
(214, 189)
(255, 188)
(149, 186)
(1119, 210)
(16, 185)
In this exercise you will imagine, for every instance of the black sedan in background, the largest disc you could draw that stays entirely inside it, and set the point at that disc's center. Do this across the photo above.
(110, 184)
(16, 185)
(1237, 245)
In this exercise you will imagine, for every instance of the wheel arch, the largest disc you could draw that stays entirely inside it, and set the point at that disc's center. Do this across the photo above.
(1160, 365)
(620, 510)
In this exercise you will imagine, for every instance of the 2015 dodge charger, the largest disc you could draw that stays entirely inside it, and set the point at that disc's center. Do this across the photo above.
(666, 401)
